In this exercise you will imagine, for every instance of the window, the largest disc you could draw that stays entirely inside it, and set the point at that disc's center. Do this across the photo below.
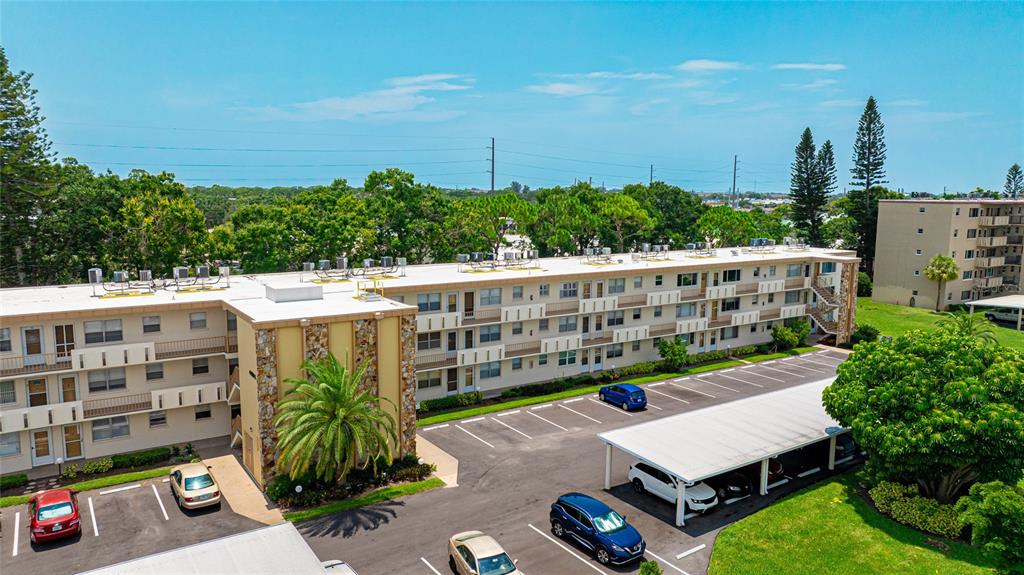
(157, 418)
(517, 292)
(638, 282)
(154, 371)
(920, 231)
(110, 428)
(197, 320)
(958, 211)
(828, 267)
(753, 300)
(517, 363)
(568, 289)
(635, 345)
(656, 342)
(545, 290)
(542, 325)
(542, 359)
(7, 394)
(10, 444)
(566, 324)
(956, 233)
(431, 340)
(917, 252)
(203, 411)
(973, 213)
(36, 392)
(429, 379)
(658, 280)
(5, 339)
(517, 328)
(686, 309)
(733, 303)
(730, 276)
(657, 311)
(428, 302)
(730, 332)
(637, 312)
(106, 379)
(150, 324)
(615, 318)
(200, 365)
(567, 357)
(792, 297)
(490, 333)
(614, 350)
(453, 302)
(490, 296)
(771, 298)
(972, 233)
(968, 274)
(917, 273)
(771, 272)
(794, 270)
(920, 210)
(232, 322)
(617, 285)
(102, 331)
(915, 292)
(969, 255)
(684, 280)
(965, 294)
(490, 369)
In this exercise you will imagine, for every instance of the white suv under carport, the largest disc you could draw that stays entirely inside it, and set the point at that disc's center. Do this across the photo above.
(646, 478)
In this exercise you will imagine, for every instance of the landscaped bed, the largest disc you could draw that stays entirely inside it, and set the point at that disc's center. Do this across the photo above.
(831, 528)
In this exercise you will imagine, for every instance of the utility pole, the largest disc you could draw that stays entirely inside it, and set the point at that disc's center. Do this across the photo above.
(734, 158)
(492, 165)
(651, 181)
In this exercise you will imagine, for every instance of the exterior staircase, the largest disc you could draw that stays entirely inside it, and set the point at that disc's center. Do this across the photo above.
(825, 292)
(826, 325)
(828, 300)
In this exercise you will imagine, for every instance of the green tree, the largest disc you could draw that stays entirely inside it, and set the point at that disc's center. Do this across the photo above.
(805, 191)
(936, 408)
(409, 217)
(673, 210)
(941, 269)
(263, 239)
(485, 220)
(328, 423)
(730, 227)
(567, 219)
(972, 325)
(673, 352)
(623, 218)
(868, 172)
(839, 229)
(1014, 186)
(995, 513)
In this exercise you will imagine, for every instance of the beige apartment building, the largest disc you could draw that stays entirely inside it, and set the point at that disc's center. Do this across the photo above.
(985, 237)
(92, 370)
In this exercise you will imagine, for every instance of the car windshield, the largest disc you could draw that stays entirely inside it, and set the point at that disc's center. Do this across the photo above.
(198, 482)
(55, 511)
(497, 565)
(609, 522)
(637, 394)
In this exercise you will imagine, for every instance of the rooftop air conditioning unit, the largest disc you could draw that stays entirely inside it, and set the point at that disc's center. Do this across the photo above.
(534, 254)
(120, 277)
(385, 261)
(95, 275)
(323, 265)
(341, 262)
(202, 272)
(509, 256)
(225, 272)
(368, 263)
(606, 251)
(476, 256)
(645, 247)
(307, 266)
(145, 276)
(691, 246)
(401, 262)
(181, 272)
(462, 258)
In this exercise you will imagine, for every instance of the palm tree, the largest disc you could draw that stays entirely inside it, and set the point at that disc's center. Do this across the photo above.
(327, 422)
(941, 269)
(969, 324)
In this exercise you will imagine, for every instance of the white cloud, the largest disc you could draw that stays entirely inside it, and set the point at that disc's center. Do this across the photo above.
(810, 66)
(844, 103)
(813, 85)
(644, 108)
(562, 89)
(619, 76)
(708, 66)
(425, 79)
(907, 103)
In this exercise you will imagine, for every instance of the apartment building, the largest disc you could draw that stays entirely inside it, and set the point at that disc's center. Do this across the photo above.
(984, 237)
(91, 370)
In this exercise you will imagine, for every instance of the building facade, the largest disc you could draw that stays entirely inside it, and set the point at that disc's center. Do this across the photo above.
(88, 371)
(984, 237)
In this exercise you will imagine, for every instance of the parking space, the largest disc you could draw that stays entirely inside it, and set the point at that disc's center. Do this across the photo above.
(119, 523)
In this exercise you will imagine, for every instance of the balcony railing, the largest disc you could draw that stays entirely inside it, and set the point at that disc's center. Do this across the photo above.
(990, 262)
(770, 314)
(562, 308)
(662, 329)
(1014, 240)
(117, 405)
(1012, 260)
(597, 338)
(199, 346)
(37, 363)
(746, 289)
(994, 221)
(637, 300)
(721, 321)
(518, 349)
(436, 360)
(690, 294)
(796, 283)
(483, 316)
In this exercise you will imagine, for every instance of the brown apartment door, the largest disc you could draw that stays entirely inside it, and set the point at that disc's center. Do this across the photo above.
(586, 290)
(468, 301)
(453, 379)
(600, 289)
(64, 339)
(68, 388)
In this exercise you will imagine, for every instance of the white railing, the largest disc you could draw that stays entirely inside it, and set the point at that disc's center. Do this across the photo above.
(19, 419)
(187, 395)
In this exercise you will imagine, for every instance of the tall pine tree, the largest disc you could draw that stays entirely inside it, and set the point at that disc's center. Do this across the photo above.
(827, 179)
(1014, 182)
(803, 183)
(868, 174)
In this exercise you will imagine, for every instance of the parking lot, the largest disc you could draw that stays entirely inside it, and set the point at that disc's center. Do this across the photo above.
(514, 464)
(118, 524)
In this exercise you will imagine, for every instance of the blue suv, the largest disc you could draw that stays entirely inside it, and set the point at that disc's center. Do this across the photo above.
(597, 527)
(625, 395)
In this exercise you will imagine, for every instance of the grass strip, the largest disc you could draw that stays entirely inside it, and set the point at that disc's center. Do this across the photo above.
(89, 484)
(378, 496)
(770, 356)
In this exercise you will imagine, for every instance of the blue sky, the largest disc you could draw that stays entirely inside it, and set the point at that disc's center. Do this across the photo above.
(568, 90)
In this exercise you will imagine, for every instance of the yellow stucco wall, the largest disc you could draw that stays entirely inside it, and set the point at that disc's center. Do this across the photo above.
(340, 338)
(249, 398)
(388, 358)
(289, 357)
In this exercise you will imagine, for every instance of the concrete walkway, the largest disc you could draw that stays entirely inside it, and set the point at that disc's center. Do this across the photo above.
(241, 493)
(447, 466)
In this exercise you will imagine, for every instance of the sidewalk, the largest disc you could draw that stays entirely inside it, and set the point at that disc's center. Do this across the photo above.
(447, 466)
(240, 492)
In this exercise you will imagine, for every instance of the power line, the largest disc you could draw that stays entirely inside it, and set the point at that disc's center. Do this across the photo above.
(289, 150)
(358, 165)
(270, 132)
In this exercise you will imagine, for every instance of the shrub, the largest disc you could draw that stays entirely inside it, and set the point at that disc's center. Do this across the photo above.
(784, 338)
(451, 402)
(101, 465)
(905, 505)
(282, 486)
(995, 512)
(141, 458)
(418, 472)
(12, 481)
(801, 327)
(70, 472)
(673, 353)
(864, 286)
(548, 387)
(650, 568)
(642, 368)
(864, 332)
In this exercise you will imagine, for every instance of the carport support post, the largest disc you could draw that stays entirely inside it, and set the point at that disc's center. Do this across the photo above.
(762, 487)
(680, 503)
(607, 465)
(1020, 317)
(831, 453)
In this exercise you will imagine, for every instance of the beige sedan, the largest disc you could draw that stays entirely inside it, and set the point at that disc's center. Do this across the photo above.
(473, 553)
(193, 486)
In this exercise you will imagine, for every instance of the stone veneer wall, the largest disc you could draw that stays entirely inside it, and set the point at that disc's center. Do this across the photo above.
(847, 302)
(315, 341)
(407, 371)
(267, 395)
(366, 352)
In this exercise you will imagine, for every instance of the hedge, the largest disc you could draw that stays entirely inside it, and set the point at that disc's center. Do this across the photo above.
(142, 458)
(904, 504)
(451, 402)
(12, 481)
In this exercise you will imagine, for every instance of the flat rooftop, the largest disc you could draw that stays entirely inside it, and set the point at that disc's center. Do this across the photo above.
(247, 293)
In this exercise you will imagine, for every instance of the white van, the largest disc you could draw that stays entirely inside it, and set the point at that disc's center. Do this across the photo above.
(1005, 315)
(647, 479)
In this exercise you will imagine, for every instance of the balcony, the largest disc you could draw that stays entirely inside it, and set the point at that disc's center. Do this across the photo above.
(562, 308)
(789, 311)
(520, 349)
(770, 314)
(662, 329)
(199, 346)
(747, 289)
(1012, 260)
(722, 291)
(691, 294)
(482, 316)
(24, 364)
(990, 282)
(797, 283)
(989, 221)
(522, 312)
(597, 338)
(992, 241)
(637, 300)
(119, 405)
(626, 334)
(436, 360)
(991, 262)
(477, 355)
(721, 321)
(1014, 240)
(38, 416)
(599, 304)
(437, 321)
(187, 395)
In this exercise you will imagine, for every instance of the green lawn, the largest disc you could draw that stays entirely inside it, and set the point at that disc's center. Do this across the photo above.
(378, 496)
(829, 528)
(896, 319)
(98, 483)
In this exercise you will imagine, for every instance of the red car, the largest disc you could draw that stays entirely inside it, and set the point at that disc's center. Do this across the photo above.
(54, 515)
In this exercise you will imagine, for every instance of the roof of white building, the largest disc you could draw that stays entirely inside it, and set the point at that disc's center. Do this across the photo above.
(1012, 301)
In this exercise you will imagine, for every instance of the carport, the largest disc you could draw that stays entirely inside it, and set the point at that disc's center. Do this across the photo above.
(1015, 301)
(699, 444)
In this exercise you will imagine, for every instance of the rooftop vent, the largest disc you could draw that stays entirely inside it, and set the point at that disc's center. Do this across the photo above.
(294, 293)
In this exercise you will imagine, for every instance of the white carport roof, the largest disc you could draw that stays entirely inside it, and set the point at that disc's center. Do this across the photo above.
(271, 550)
(1013, 301)
(713, 440)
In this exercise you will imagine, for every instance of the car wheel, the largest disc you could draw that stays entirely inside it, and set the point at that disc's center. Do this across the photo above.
(602, 556)
(638, 486)
(557, 529)
(600, 396)
(721, 495)
(625, 406)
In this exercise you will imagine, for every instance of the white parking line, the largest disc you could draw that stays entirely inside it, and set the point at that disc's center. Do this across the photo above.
(798, 366)
(668, 396)
(651, 553)
(689, 552)
(165, 480)
(473, 436)
(427, 563)
(433, 427)
(656, 384)
(473, 420)
(92, 514)
(649, 404)
(832, 365)
(136, 486)
(769, 377)
(574, 400)
(540, 406)
(549, 421)
(728, 370)
(715, 384)
(508, 413)
(578, 413)
(739, 380)
(500, 422)
(17, 530)
(602, 404)
(566, 549)
(160, 501)
(797, 374)
(693, 390)
(681, 379)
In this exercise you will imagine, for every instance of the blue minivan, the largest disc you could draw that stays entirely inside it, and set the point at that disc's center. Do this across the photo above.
(625, 395)
(596, 527)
